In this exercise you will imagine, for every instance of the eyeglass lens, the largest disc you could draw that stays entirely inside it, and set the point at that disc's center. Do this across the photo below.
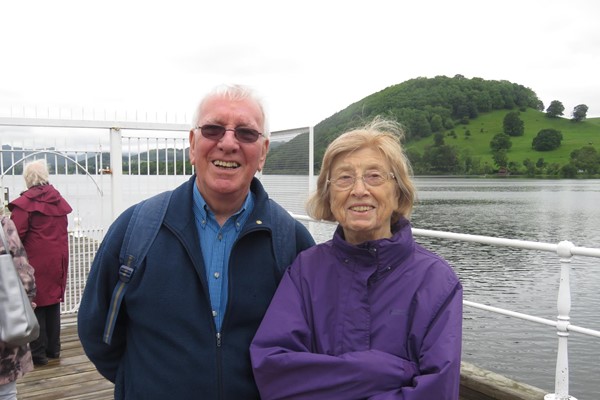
(216, 132)
(371, 179)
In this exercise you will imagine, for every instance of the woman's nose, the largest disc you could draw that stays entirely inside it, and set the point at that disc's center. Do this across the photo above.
(359, 186)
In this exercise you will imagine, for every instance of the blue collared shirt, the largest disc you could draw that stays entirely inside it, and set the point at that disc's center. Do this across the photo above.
(216, 243)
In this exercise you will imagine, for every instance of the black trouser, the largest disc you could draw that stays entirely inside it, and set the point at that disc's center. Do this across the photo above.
(48, 343)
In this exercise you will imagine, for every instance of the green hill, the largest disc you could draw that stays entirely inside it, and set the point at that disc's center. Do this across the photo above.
(483, 128)
(466, 113)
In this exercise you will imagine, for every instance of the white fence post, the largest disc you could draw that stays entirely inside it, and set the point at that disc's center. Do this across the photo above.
(116, 168)
(561, 387)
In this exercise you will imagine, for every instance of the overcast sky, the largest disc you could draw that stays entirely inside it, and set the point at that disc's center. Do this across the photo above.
(308, 59)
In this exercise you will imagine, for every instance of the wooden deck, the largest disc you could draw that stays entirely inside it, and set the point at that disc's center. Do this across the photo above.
(73, 377)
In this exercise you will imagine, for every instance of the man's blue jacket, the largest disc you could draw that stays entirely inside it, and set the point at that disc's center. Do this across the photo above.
(165, 344)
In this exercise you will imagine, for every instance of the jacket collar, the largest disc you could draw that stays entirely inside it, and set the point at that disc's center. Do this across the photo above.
(180, 219)
(384, 253)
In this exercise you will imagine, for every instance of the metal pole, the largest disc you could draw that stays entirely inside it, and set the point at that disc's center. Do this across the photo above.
(116, 170)
(561, 386)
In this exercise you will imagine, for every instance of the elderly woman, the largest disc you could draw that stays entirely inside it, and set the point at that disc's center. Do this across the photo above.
(369, 314)
(40, 214)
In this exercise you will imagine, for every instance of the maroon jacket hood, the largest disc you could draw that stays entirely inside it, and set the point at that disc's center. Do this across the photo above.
(44, 199)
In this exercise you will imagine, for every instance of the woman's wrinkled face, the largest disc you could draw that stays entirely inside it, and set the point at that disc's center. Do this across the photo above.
(364, 211)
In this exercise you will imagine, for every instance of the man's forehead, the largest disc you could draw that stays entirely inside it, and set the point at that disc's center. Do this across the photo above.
(241, 110)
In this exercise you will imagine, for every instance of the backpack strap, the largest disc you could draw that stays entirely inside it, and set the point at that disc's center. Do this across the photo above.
(283, 237)
(142, 229)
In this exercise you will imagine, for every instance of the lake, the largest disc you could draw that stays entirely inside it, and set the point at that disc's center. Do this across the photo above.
(520, 280)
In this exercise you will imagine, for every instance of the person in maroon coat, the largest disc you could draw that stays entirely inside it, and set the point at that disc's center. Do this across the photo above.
(40, 215)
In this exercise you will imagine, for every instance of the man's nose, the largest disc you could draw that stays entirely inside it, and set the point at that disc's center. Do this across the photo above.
(229, 139)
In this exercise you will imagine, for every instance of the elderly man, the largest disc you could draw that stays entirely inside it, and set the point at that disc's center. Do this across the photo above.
(190, 311)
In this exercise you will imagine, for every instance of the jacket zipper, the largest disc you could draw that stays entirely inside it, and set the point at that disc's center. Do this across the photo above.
(220, 393)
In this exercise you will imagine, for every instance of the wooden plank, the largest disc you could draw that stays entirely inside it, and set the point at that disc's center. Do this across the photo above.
(71, 377)
(477, 383)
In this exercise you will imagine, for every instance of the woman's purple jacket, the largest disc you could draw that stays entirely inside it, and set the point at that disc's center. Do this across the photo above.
(381, 320)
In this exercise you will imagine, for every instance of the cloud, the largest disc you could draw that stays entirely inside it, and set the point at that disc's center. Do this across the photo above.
(308, 59)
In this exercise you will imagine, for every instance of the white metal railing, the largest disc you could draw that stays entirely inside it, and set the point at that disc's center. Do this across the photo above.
(83, 245)
(125, 139)
(565, 251)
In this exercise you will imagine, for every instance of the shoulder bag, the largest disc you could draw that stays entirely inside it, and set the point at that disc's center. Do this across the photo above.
(18, 324)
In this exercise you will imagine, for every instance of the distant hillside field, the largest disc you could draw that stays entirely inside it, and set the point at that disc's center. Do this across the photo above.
(483, 128)
(449, 124)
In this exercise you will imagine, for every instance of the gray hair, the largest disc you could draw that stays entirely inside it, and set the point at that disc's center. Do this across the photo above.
(234, 92)
(36, 173)
(382, 135)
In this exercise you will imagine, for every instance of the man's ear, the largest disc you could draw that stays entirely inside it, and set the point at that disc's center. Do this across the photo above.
(192, 146)
(263, 155)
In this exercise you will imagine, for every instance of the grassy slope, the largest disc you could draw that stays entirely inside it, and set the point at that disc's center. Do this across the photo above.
(483, 129)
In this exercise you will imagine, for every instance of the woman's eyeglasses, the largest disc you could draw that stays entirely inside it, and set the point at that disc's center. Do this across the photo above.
(216, 132)
(372, 179)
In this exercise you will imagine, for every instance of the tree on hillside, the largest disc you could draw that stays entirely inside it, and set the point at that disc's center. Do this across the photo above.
(555, 109)
(540, 163)
(437, 123)
(442, 158)
(500, 158)
(568, 171)
(438, 139)
(586, 159)
(579, 112)
(529, 167)
(513, 125)
(500, 141)
(546, 140)
(540, 106)
(421, 126)
(415, 121)
(416, 161)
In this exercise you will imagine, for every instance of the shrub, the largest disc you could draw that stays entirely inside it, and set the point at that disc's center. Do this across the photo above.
(546, 140)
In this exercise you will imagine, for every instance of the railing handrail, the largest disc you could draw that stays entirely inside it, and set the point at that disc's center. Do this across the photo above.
(531, 318)
(497, 241)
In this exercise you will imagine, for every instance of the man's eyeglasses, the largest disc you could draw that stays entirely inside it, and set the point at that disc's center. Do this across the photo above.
(374, 178)
(216, 132)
